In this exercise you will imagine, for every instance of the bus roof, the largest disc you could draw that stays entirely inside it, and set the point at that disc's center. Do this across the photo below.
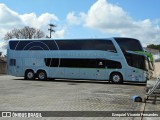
(61, 39)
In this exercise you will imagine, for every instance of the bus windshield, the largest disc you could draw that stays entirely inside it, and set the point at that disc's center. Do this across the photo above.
(137, 61)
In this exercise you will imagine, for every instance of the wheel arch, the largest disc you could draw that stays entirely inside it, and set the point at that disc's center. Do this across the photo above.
(29, 70)
(41, 70)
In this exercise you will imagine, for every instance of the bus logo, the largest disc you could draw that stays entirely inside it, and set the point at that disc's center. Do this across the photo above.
(6, 114)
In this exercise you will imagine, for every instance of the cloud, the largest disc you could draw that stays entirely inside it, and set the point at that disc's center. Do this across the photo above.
(6, 13)
(105, 16)
(10, 19)
(40, 22)
(59, 33)
(3, 44)
(108, 18)
(72, 19)
(33, 20)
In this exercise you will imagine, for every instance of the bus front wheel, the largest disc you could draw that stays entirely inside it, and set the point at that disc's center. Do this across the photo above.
(29, 75)
(116, 78)
(41, 75)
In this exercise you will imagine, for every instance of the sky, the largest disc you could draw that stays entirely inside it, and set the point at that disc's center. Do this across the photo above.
(84, 18)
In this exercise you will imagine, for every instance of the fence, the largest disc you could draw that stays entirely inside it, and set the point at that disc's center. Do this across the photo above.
(3, 67)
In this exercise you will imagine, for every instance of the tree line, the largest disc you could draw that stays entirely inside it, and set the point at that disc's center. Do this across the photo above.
(157, 47)
(24, 33)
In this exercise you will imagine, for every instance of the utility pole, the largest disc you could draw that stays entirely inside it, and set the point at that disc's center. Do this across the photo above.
(51, 29)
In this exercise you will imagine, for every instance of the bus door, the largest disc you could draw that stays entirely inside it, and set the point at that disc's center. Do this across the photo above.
(100, 70)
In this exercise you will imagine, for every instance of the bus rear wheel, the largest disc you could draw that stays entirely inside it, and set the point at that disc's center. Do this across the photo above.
(41, 75)
(116, 78)
(29, 75)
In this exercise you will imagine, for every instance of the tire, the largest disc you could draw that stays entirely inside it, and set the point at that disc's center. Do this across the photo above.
(29, 75)
(116, 78)
(41, 75)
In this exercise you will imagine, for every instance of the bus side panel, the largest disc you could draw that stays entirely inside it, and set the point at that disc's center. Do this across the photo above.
(19, 67)
(14, 64)
(30, 63)
(55, 72)
(88, 73)
(72, 73)
(135, 75)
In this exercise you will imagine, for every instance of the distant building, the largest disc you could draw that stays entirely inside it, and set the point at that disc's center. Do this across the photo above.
(153, 51)
(156, 53)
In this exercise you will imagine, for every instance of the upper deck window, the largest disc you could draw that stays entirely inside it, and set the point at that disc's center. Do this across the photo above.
(104, 45)
(33, 45)
(129, 44)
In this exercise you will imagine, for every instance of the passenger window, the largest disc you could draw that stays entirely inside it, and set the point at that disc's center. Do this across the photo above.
(100, 64)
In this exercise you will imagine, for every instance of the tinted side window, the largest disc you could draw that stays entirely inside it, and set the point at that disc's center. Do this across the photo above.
(105, 45)
(82, 63)
(75, 63)
(113, 64)
(51, 62)
(69, 45)
(109, 46)
(33, 45)
(129, 44)
(12, 62)
(16, 45)
(101, 63)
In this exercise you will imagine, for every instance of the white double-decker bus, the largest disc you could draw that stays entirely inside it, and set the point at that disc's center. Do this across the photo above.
(99, 59)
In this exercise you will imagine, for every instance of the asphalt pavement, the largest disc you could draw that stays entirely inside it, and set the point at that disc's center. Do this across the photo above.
(84, 96)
